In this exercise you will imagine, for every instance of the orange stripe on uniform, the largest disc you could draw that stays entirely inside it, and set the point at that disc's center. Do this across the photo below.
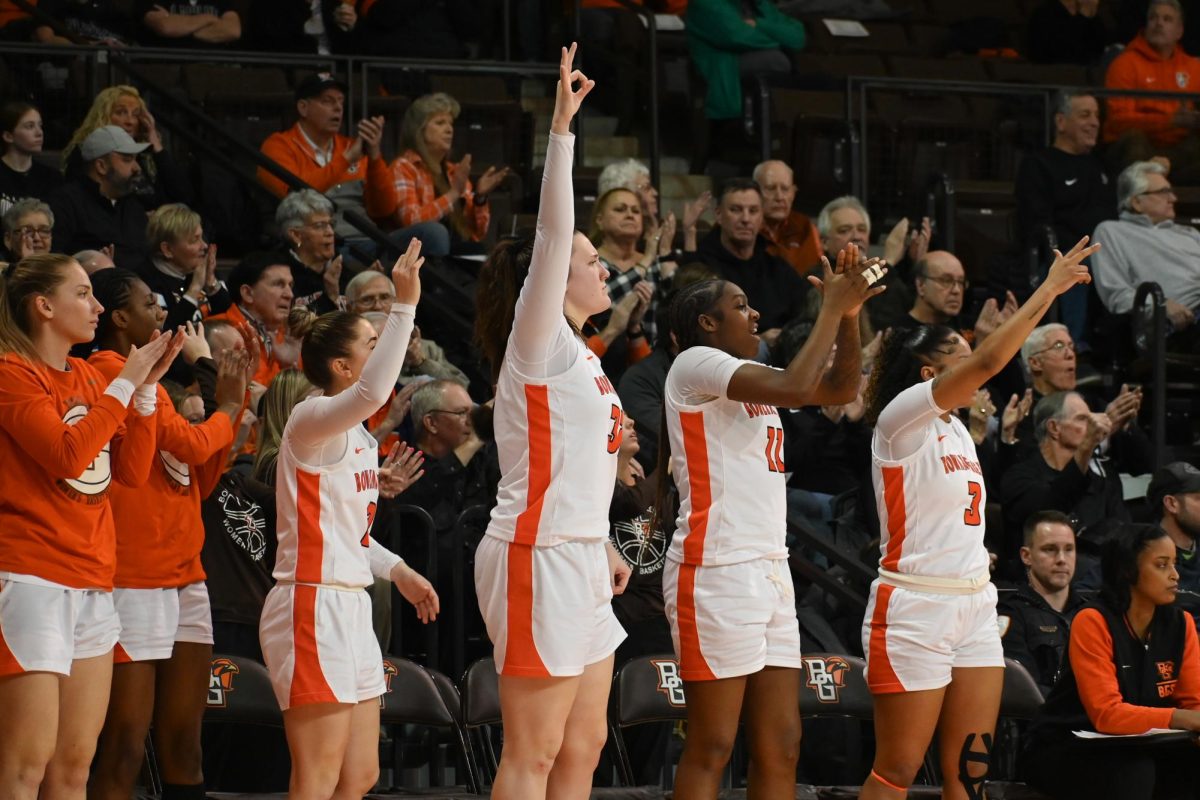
(537, 412)
(881, 677)
(893, 501)
(310, 544)
(692, 664)
(308, 681)
(8, 662)
(121, 655)
(695, 453)
(521, 657)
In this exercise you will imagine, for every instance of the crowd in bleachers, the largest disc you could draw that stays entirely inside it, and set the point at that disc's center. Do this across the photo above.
(1063, 431)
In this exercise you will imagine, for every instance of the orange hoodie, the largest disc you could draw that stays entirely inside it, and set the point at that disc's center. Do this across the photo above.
(159, 530)
(1141, 67)
(291, 150)
(62, 442)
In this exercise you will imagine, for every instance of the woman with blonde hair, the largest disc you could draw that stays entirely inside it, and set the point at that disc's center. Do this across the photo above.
(123, 106)
(431, 188)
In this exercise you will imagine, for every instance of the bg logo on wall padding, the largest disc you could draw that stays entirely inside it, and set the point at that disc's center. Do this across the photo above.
(827, 676)
(220, 682)
(669, 682)
(389, 672)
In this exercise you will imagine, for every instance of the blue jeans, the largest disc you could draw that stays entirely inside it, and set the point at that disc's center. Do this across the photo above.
(434, 236)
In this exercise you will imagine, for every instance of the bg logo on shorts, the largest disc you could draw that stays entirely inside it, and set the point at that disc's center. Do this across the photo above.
(220, 682)
(389, 672)
(826, 677)
(669, 682)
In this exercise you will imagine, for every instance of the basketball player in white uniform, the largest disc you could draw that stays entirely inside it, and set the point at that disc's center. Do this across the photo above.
(317, 639)
(545, 573)
(726, 584)
(934, 659)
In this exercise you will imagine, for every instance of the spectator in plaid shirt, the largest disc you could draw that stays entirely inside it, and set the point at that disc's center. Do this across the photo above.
(429, 187)
(616, 230)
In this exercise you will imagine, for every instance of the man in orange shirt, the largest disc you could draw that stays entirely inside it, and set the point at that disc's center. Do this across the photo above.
(1140, 128)
(261, 287)
(792, 235)
(349, 171)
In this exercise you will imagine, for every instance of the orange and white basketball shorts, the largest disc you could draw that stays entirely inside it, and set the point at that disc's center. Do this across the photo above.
(45, 626)
(548, 610)
(731, 620)
(149, 618)
(913, 639)
(195, 615)
(319, 645)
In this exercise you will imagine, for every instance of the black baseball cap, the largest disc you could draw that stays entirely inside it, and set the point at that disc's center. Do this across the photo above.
(1179, 477)
(314, 84)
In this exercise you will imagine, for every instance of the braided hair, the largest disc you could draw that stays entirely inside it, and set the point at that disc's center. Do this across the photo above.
(899, 364)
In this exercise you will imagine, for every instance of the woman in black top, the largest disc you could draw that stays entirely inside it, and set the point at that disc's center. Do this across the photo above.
(1133, 665)
(20, 175)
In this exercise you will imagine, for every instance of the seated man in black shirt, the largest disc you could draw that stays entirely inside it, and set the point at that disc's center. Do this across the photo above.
(1064, 475)
(461, 469)
(1035, 621)
(1174, 500)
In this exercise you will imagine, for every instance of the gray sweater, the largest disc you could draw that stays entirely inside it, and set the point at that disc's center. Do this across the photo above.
(1134, 251)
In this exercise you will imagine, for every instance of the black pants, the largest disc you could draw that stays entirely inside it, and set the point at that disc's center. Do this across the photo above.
(1111, 771)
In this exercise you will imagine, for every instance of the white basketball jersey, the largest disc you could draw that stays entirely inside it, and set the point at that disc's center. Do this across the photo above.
(325, 513)
(931, 504)
(727, 460)
(557, 440)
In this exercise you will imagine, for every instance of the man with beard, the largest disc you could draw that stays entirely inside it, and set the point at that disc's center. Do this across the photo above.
(1035, 621)
(1174, 498)
(100, 208)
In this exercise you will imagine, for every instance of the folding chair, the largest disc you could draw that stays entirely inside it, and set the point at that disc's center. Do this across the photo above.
(415, 696)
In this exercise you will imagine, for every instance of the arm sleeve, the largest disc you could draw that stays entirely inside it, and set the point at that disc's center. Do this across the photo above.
(407, 178)
(379, 194)
(1112, 270)
(191, 444)
(28, 414)
(381, 559)
(1187, 690)
(785, 30)
(540, 334)
(701, 374)
(1091, 654)
(134, 448)
(322, 418)
(903, 426)
(437, 366)
(1129, 113)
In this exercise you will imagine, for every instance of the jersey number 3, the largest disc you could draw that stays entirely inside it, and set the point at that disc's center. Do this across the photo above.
(775, 449)
(971, 514)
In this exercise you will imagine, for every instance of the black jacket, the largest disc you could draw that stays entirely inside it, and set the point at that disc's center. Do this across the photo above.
(773, 288)
(84, 219)
(1036, 635)
(1142, 670)
(181, 309)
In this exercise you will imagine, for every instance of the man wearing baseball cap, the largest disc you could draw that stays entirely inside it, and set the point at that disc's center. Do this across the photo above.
(100, 208)
(350, 171)
(1174, 498)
